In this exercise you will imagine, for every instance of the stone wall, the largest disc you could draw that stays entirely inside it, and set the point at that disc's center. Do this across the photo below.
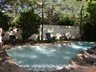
(54, 30)
(17, 34)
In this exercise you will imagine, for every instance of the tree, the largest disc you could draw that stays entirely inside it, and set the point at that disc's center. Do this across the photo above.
(4, 21)
(66, 21)
(29, 23)
(3, 6)
(90, 23)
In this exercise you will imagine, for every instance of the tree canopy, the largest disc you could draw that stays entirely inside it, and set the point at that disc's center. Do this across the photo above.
(4, 21)
(89, 25)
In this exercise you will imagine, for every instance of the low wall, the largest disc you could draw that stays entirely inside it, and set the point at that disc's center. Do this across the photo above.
(55, 30)
(17, 34)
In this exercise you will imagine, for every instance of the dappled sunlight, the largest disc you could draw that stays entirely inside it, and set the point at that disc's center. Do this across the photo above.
(44, 50)
(51, 30)
(81, 45)
(71, 32)
(66, 57)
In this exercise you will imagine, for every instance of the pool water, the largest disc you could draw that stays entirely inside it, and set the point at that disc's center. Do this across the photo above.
(46, 56)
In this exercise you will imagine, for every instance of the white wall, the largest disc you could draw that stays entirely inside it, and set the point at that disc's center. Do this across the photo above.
(55, 30)
(16, 33)
(59, 30)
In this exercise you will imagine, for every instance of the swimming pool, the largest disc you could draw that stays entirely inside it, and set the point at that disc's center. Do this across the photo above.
(46, 57)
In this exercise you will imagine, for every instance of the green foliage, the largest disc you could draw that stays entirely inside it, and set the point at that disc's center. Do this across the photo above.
(14, 21)
(90, 23)
(89, 32)
(66, 21)
(92, 11)
(4, 19)
(29, 23)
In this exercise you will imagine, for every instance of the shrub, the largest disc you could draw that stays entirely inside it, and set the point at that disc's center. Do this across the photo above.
(66, 21)
(29, 23)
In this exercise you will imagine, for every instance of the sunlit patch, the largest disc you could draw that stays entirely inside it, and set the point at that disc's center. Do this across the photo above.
(80, 45)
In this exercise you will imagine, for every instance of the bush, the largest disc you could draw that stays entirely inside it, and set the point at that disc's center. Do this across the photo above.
(29, 23)
(66, 21)
(89, 27)
(4, 19)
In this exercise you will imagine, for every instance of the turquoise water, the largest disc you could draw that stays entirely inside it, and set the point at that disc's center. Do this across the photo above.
(57, 55)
